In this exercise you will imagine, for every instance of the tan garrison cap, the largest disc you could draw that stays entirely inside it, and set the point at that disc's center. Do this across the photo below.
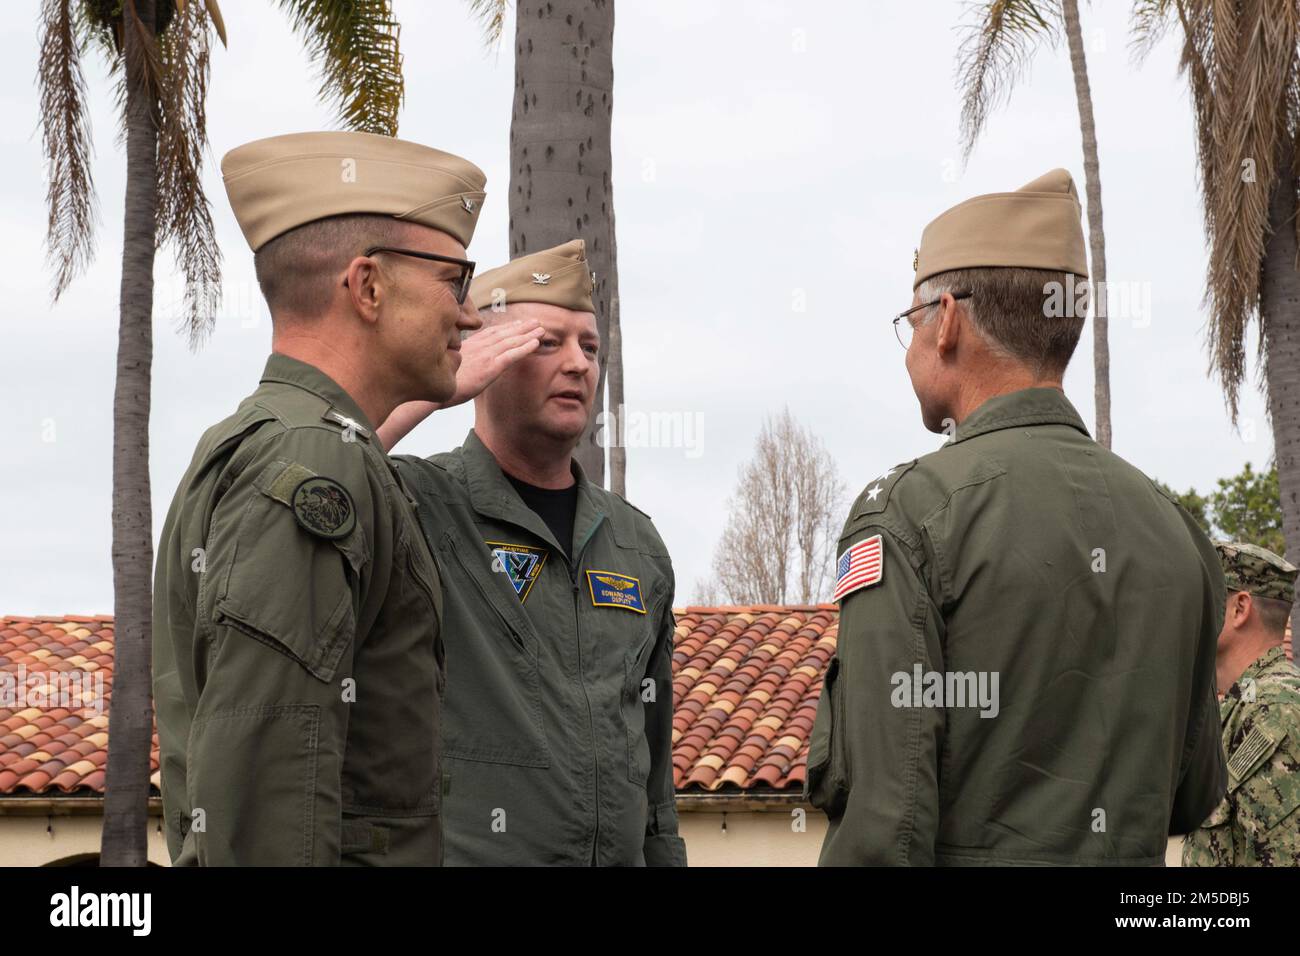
(1248, 567)
(559, 276)
(1035, 227)
(283, 182)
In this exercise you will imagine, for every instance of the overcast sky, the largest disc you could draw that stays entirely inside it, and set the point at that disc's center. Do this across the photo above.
(774, 164)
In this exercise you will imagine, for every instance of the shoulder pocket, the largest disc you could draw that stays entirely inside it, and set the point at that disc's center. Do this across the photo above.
(287, 587)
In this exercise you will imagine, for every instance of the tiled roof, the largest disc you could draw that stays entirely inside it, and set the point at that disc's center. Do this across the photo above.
(54, 705)
(745, 687)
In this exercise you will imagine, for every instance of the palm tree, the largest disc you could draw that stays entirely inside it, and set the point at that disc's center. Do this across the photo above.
(560, 168)
(998, 45)
(1242, 63)
(158, 51)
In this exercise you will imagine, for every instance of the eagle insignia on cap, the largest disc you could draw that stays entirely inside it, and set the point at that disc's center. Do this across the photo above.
(541, 278)
(467, 203)
(916, 259)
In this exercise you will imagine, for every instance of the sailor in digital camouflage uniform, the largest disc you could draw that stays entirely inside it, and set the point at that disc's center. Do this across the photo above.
(559, 624)
(1025, 662)
(297, 665)
(1258, 822)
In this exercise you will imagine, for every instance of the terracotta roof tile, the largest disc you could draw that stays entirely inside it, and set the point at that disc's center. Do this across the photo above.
(59, 744)
(745, 685)
(746, 682)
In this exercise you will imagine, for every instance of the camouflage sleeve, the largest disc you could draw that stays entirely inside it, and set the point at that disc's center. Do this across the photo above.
(282, 583)
(1264, 785)
(663, 847)
(873, 758)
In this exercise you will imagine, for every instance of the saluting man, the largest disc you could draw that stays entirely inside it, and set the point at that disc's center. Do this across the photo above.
(297, 664)
(558, 619)
(1025, 669)
(1258, 821)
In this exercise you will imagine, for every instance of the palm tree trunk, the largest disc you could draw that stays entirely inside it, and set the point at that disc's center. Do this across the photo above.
(1279, 307)
(1096, 236)
(561, 183)
(125, 837)
(617, 452)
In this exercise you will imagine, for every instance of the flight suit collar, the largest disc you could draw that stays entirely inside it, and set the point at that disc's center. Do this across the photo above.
(492, 495)
(1029, 406)
(291, 371)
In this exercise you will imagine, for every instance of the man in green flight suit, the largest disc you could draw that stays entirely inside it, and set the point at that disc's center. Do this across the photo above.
(1258, 822)
(557, 725)
(1025, 666)
(297, 663)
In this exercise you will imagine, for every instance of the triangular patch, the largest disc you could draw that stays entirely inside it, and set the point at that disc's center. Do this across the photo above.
(520, 563)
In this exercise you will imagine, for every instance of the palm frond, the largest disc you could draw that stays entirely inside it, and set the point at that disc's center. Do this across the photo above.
(67, 144)
(999, 40)
(1151, 21)
(355, 45)
(1240, 62)
(491, 15)
(184, 214)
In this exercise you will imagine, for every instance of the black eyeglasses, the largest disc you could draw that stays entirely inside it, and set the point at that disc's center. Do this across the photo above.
(905, 339)
(460, 285)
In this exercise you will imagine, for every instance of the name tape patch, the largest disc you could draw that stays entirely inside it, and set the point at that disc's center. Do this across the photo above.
(611, 589)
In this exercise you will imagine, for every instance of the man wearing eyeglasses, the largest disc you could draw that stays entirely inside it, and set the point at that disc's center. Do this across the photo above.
(558, 617)
(1026, 656)
(298, 664)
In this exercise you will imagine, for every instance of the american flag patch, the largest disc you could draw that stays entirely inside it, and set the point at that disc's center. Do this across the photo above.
(861, 566)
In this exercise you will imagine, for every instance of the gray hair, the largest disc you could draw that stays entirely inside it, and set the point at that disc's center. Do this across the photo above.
(294, 269)
(1014, 310)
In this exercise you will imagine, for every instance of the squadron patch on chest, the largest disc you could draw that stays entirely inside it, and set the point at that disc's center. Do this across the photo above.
(520, 563)
(323, 507)
(611, 589)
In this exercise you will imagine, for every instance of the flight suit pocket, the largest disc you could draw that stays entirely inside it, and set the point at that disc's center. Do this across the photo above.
(291, 589)
(635, 689)
(492, 711)
(272, 822)
(827, 784)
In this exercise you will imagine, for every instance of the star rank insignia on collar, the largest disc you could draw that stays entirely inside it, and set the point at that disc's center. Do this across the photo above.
(541, 278)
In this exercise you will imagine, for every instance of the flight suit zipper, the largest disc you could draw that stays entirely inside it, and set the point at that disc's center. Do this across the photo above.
(575, 568)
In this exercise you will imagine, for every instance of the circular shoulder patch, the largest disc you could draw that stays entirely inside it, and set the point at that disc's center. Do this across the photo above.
(324, 507)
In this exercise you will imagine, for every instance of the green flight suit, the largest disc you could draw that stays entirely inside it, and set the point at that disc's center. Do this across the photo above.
(557, 724)
(297, 664)
(1258, 822)
(1023, 553)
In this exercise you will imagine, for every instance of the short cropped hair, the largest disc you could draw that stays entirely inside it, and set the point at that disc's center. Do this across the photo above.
(1273, 613)
(1031, 315)
(296, 269)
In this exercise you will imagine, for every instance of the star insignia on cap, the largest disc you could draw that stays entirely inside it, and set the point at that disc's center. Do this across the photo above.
(467, 203)
(916, 259)
(541, 278)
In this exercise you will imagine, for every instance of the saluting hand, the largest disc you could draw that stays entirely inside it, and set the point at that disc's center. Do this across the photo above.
(484, 355)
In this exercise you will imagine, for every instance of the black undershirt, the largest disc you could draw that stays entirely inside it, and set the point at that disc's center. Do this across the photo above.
(556, 507)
